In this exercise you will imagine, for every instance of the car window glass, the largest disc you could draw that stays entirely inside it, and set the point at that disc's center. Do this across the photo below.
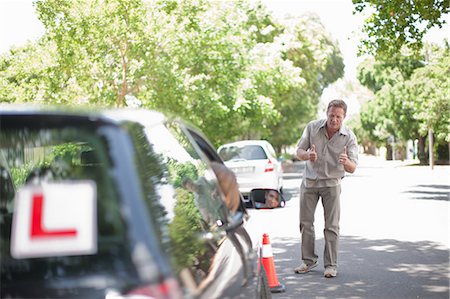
(226, 177)
(247, 152)
(193, 204)
(271, 151)
(35, 155)
(187, 170)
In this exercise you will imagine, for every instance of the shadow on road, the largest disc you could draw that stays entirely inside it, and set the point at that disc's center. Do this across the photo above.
(367, 269)
(431, 192)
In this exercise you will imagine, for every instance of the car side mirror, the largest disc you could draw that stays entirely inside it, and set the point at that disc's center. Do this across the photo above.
(266, 199)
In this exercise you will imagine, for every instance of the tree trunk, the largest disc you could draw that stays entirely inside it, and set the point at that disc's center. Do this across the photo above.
(389, 151)
(430, 148)
(120, 102)
(421, 151)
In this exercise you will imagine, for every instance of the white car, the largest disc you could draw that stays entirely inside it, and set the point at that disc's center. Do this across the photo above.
(255, 164)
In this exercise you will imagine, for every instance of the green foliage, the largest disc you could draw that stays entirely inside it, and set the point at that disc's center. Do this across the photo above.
(311, 61)
(210, 60)
(392, 24)
(66, 152)
(363, 135)
(24, 73)
(429, 89)
(19, 174)
(228, 67)
(374, 74)
(99, 48)
(407, 107)
(374, 122)
(261, 25)
(183, 229)
(181, 171)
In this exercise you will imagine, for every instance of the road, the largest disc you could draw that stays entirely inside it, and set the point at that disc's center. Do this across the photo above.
(395, 230)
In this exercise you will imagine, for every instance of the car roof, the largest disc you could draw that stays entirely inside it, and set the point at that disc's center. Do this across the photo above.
(246, 142)
(148, 118)
(113, 116)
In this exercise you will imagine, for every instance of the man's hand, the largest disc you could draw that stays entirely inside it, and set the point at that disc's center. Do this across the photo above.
(349, 166)
(312, 153)
(343, 158)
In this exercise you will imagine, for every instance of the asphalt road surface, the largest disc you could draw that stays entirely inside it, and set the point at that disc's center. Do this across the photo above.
(395, 231)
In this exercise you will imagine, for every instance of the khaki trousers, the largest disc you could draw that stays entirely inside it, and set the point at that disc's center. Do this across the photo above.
(331, 207)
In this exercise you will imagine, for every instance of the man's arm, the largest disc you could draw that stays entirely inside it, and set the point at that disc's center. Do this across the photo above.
(307, 155)
(349, 165)
(302, 154)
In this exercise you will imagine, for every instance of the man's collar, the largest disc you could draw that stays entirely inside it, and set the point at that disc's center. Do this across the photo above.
(342, 130)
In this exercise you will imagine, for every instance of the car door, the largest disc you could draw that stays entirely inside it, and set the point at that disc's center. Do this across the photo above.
(210, 252)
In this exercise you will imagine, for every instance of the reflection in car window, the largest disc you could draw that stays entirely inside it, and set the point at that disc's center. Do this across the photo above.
(151, 172)
(248, 152)
(187, 170)
(271, 150)
(33, 155)
(195, 207)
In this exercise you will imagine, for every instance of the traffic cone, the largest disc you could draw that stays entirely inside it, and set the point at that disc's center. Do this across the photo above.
(269, 266)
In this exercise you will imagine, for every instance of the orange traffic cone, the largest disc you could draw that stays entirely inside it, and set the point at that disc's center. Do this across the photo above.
(269, 266)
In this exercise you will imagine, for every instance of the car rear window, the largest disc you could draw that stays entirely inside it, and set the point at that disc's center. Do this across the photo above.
(247, 152)
(35, 156)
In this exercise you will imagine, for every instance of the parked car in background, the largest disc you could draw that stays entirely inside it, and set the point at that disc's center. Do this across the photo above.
(255, 164)
(118, 204)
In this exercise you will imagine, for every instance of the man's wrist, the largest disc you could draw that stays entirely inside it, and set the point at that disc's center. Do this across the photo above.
(306, 156)
(303, 155)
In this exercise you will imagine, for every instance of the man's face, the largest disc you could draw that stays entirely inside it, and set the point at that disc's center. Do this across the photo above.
(335, 117)
(272, 199)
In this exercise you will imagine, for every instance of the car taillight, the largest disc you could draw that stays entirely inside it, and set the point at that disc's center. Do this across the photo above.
(168, 289)
(269, 166)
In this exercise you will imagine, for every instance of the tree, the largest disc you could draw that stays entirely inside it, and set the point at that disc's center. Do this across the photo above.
(100, 48)
(24, 72)
(222, 65)
(429, 88)
(393, 24)
(374, 74)
(409, 107)
(308, 47)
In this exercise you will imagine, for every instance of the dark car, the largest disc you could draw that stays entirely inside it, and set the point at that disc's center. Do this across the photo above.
(118, 204)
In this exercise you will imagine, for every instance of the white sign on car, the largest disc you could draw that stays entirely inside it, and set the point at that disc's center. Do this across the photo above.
(55, 219)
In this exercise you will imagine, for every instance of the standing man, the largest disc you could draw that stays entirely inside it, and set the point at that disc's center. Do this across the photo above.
(330, 150)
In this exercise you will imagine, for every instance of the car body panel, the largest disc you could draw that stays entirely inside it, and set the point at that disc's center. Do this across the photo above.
(148, 241)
